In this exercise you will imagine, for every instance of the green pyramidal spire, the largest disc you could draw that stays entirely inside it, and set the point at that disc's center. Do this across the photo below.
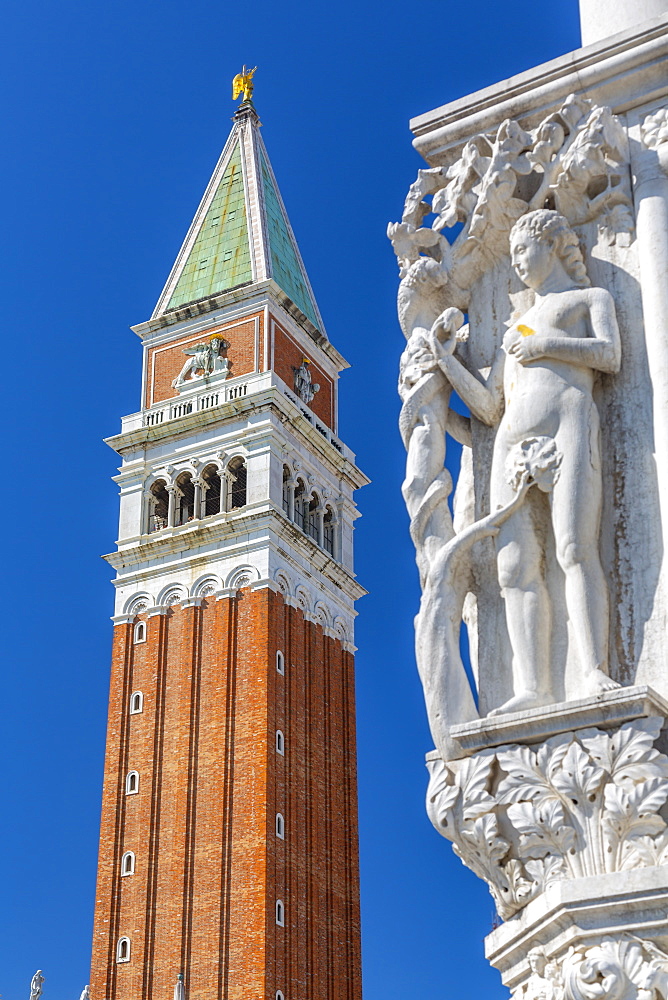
(241, 233)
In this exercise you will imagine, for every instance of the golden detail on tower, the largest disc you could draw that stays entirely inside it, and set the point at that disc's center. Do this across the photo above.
(243, 84)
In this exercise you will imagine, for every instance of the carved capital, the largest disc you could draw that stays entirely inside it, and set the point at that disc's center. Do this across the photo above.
(582, 804)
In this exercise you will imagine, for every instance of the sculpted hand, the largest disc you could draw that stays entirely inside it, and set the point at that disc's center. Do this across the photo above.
(442, 339)
(523, 349)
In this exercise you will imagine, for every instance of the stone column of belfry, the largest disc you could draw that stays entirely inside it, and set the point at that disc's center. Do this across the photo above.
(551, 778)
(228, 847)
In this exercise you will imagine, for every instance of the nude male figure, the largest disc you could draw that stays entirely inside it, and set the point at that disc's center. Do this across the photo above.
(541, 384)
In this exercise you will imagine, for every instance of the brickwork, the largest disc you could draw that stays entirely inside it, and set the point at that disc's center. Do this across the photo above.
(246, 348)
(209, 866)
(288, 355)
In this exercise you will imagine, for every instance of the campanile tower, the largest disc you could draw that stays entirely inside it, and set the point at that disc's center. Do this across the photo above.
(228, 850)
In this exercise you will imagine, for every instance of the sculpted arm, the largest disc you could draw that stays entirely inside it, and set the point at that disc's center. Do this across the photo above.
(601, 351)
(484, 400)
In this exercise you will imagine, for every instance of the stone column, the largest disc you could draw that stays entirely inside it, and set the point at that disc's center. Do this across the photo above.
(200, 493)
(226, 481)
(222, 505)
(650, 170)
(174, 492)
(568, 834)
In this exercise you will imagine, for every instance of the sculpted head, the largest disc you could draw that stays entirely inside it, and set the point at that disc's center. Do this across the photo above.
(540, 237)
(537, 961)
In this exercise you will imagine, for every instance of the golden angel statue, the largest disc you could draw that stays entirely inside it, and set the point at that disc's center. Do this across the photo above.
(243, 84)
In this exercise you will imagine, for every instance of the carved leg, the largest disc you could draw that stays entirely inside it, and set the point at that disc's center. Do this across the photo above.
(181, 377)
(528, 613)
(576, 512)
(587, 602)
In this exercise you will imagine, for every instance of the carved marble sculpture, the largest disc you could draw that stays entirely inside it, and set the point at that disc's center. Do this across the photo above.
(304, 386)
(36, 985)
(540, 388)
(203, 360)
(537, 397)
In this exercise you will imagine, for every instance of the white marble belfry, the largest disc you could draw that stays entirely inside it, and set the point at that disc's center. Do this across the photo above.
(533, 257)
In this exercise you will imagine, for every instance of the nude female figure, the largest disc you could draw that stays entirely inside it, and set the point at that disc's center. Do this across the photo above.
(541, 384)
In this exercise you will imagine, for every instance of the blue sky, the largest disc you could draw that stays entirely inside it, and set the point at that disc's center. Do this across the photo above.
(114, 117)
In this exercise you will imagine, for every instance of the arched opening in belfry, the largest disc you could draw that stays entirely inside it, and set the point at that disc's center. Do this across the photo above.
(237, 470)
(311, 526)
(211, 502)
(286, 489)
(329, 528)
(186, 500)
(300, 503)
(158, 506)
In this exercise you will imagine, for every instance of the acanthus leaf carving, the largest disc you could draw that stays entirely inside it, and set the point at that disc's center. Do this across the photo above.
(574, 161)
(582, 804)
(615, 968)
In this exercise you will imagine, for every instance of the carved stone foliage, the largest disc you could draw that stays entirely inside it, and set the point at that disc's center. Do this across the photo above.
(575, 161)
(620, 968)
(581, 804)
(654, 129)
(654, 135)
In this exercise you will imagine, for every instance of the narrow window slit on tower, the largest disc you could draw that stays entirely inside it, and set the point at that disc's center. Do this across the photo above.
(140, 632)
(280, 913)
(128, 863)
(132, 783)
(280, 826)
(136, 703)
(280, 742)
(280, 662)
(123, 950)
(279, 995)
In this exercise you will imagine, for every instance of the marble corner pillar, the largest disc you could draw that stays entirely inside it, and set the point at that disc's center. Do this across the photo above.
(600, 19)
(649, 165)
